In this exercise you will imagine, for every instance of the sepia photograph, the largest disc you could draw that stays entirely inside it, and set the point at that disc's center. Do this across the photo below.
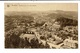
(41, 25)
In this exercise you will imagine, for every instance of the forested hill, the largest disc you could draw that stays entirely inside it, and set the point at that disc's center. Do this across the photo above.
(67, 14)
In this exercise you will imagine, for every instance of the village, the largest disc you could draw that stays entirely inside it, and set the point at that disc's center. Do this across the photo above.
(52, 38)
(41, 30)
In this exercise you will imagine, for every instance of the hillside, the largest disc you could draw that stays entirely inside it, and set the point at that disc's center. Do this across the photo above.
(50, 28)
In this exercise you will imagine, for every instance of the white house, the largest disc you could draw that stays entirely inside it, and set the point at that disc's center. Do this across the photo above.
(71, 43)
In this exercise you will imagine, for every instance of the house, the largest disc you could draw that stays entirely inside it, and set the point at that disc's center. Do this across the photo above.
(70, 29)
(70, 43)
(55, 40)
(55, 26)
(28, 35)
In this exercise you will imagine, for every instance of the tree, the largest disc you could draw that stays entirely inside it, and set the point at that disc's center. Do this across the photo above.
(76, 45)
(26, 43)
(43, 37)
(47, 45)
(15, 40)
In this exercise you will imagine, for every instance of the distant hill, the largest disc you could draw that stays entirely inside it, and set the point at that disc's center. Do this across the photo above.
(46, 14)
(67, 14)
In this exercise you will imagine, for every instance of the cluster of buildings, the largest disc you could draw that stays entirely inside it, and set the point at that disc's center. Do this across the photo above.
(71, 29)
(68, 43)
(55, 41)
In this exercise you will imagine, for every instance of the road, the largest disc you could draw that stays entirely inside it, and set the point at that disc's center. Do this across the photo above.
(50, 44)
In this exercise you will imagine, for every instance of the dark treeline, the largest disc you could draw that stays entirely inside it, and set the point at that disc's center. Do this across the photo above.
(67, 22)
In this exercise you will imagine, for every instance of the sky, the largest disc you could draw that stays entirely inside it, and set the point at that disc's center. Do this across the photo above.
(40, 6)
